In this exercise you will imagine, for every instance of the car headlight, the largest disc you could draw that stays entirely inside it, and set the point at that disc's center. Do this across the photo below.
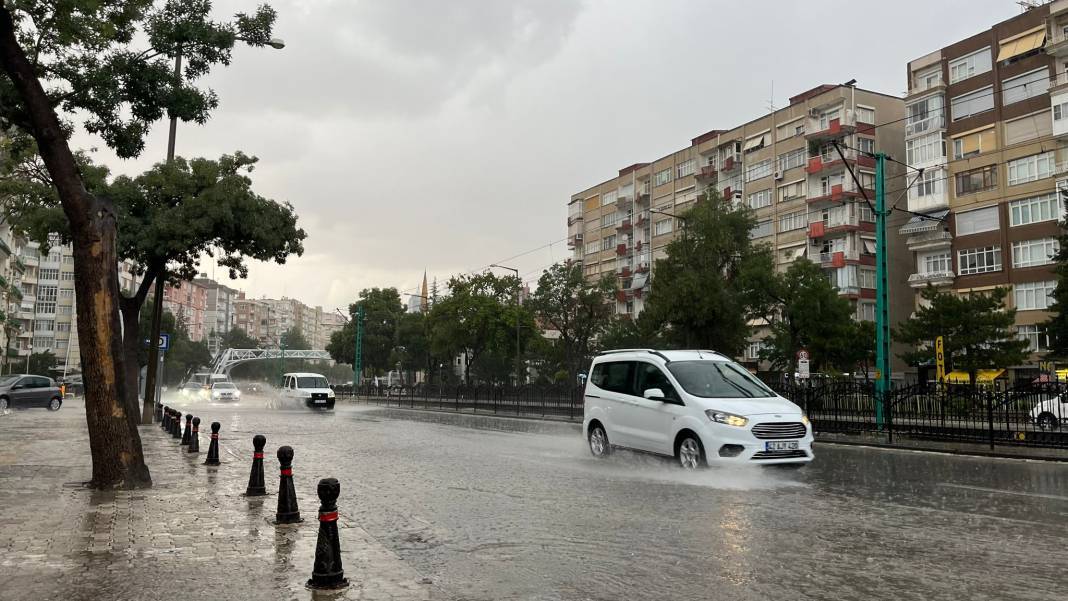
(730, 419)
(804, 420)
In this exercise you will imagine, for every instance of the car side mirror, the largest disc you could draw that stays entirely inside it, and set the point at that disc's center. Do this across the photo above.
(17, 387)
(654, 394)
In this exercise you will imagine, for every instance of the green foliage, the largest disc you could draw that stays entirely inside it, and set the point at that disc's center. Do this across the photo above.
(811, 315)
(576, 308)
(412, 350)
(977, 331)
(1057, 326)
(382, 309)
(713, 281)
(183, 356)
(293, 339)
(623, 332)
(238, 338)
(41, 364)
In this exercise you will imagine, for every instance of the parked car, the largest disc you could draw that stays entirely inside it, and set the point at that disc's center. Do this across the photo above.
(29, 391)
(225, 391)
(307, 389)
(697, 406)
(1051, 413)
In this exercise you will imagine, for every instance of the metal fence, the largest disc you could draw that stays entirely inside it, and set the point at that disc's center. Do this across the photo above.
(1034, 415)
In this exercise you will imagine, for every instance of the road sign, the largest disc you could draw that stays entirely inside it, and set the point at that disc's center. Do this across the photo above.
(164, 342)
(802, 363)
(940, 360)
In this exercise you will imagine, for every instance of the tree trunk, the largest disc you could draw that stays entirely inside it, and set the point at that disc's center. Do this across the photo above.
(130, 310)
(114, 443)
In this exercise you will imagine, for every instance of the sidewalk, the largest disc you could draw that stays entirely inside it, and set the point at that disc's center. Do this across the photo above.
(193, 535)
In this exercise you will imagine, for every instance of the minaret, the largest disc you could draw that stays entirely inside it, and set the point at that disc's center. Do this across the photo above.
(423, 295)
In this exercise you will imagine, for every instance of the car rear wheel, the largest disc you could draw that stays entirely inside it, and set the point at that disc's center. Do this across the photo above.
(691, 454)
(1048, 421)
(3, 405)
(55, 403)
(599, 445)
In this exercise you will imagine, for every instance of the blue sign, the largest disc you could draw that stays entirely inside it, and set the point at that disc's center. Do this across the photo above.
(164, 342)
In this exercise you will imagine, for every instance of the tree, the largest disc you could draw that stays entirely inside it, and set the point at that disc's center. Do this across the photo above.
(41, 364)
(713, 281)
(977, 331)
(86, 54)
(579, 309)
(811, 315)
(293, 339)
(624, 332)
(412, 350)
(1057, 326)
(381, 310)
(236, 337)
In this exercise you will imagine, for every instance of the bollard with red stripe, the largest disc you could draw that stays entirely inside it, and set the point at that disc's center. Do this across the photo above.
(187, 434)
(327, 572)
(194, 437)
(157, 413)
(213, 448)
(176, 426)
(256, 486)
(166, 417)
(287, 513)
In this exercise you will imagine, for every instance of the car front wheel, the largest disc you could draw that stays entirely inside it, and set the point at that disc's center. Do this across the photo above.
(599, 445)
(690, 454)
(55, 404)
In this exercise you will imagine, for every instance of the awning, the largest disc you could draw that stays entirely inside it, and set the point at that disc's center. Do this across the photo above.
(982, 376)
(754, 142)
(925, 223)
(869, 246)
(638, 281)
(793, 254)
(1022, 43)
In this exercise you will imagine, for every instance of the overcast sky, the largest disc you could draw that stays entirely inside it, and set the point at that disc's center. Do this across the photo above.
(443, 136)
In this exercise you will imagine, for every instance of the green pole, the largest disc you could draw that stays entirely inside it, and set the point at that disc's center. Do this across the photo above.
(357, 363)
(882, 311)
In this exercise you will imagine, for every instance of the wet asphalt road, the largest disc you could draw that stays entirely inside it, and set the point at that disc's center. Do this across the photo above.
(511, 509)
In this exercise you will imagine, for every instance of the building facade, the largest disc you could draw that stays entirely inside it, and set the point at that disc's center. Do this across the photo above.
(783, 166)
(988, 118)
(189, 304)
(219, 313)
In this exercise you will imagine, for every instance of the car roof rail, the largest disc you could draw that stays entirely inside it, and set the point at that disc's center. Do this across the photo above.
(637, 350)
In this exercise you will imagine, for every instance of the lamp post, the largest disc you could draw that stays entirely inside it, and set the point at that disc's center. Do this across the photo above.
(157, 302)
(518, 285)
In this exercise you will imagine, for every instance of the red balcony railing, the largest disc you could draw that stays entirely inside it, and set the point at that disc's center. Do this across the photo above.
(816, 230)
(621, 249)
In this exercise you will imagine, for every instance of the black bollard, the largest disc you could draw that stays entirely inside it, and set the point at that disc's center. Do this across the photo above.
(327, 572)
(188, 429)
(287, 494)
(213, 448)
(194, 437)
(176, 425)
(256, 487)
(166, 416)
(157, 414)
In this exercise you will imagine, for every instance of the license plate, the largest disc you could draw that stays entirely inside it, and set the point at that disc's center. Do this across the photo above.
(788, 445)
(323, 402)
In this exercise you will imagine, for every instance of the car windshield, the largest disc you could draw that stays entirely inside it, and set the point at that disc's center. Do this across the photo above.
(224, 385)
(717, 380)
(4, 381)
(312, 382)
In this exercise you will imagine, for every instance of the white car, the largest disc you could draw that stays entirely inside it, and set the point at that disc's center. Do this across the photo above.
(1051, 413)
(697, 406)
(225, 391)
(308, 389)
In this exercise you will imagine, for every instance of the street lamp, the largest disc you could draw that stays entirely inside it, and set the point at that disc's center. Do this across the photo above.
(519, 284)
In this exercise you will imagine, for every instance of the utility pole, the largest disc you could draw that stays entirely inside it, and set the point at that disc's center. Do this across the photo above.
(357, 356)
(882, 310)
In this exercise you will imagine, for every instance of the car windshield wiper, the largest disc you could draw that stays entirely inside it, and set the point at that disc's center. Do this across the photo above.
(725, 379)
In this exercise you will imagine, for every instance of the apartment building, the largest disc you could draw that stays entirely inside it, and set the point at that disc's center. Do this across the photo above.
(988, 118)
(219, 313)
(783, 165)
(253, 316)
(11, 271)
(189, 304)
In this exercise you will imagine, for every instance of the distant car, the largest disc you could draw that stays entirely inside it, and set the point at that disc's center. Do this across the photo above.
(29, 391)
(1051, 413)
(308, 389)
(191, 389)
(252, 387)
(225, 391)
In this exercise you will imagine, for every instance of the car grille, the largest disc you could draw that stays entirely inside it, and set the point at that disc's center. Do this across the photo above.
(319, 395)
(777, 430)
(780, 455)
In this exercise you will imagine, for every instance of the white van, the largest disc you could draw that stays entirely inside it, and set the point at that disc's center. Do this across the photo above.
(697, 406)
(308, 389)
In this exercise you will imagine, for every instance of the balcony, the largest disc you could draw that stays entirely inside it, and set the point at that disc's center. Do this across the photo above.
(707, 173)
(820, 128)
(927, 125)
(732, 162)
(838, 193)
(573, 219)
(838, 223)
(839, 258)
(574, 241)
(621, 296)
(826, 162)
(624, 272)
(624, 226)
(932, 240)
(642, 198)
(621, 249)
(727, 194)
(1056, 44)
(935, 278)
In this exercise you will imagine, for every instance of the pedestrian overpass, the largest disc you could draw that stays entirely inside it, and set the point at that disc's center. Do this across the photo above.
(227, 359)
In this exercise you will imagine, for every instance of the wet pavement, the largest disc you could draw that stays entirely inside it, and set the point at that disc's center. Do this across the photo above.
(446, 506)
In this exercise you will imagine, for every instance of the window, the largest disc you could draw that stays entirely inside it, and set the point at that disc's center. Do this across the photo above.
(44, 325)
(755, 143)
(979, 260)
(609, 220)
(63, 327)
(1035, 209)
(650, 376)
(928, 184)
(664, 226)
(67, 293)
(46, 299)
(927, 78)
(973, 144)
(1029, 253)
(614, 376)
(1028, 127)
(864, 213)
(925, 149)
(793, 221)
(1031, 168)
(67, 276)
(718, 380)
(68, 259)
(662, 177)
(865, 115)
(758, 200)
(626, 191)
(973, 103)
(936, 263)
(54, 257)
(977, 180)
(865, 311)
(867, 277)
(1034, 295)
(828, 182)
(789, 130)
(867, 180)
(924, 115)
(43, 342)
(49, 274)
(758, 170)
(592, 247)
(684, 169)
(970, 65)
(761, 229)
(608, 197)
(61, 344)
(1036, 337)
(792, 191)
(979, 220)
(752, 350)
(1024, 86)
(865, 145)
(1060, 111)
(608, 242)
(789, 160)
(827, 116)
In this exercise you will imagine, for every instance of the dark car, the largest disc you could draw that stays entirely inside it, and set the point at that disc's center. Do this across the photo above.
(29, 391)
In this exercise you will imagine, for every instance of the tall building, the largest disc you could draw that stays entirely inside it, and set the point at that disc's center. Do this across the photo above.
(252, 316)
(988, 117)
(783, 165)
(189, 304)
(11, 296)
(219, 314)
